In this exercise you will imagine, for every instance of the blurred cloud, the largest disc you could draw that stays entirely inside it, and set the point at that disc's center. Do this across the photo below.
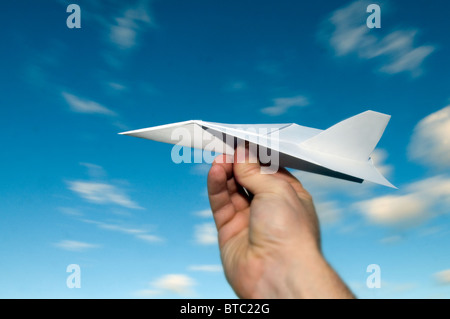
(94, 171)
(235, 86)
(206, 268)
(175, 283)
(271, 68)
(122, 21)
(346, 32)
(72, 245)
(81, 105)
(329, 212)
(443, 277)
(102, 193)
(379, 157)
(172, 283)
(205, 234)
(430, 142)
(205, 213)
(283, 104)
(125, 29)
(393, 209)
(116, 86)
(138, 233)
(149, 238)
(419, 201)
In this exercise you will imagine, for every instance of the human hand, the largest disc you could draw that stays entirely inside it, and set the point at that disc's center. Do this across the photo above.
(270, 245)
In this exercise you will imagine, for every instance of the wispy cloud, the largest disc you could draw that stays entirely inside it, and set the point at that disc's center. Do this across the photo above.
(329, 212)
(205, 234)
(99, 190)
(102, 193)
(116, 86)
(235, 86)
(121, 22)
(72, 245)
(94, 171)
(346, 32)
(430, 142)
(206, 268)
(138, 233)
(81, 105)
(125, 29)
(205, 213)
(271, 68)
(443, 277)
(283, 104)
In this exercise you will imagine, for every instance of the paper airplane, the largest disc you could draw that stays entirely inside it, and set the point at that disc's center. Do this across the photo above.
(341, 151)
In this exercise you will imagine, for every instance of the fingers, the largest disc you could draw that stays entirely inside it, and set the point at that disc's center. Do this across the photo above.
(219, 197)
(225, 196)
(293, 181)
(230, 208)
(248, 173)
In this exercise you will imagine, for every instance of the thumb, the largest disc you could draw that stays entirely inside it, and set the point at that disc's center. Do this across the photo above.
(247, 171)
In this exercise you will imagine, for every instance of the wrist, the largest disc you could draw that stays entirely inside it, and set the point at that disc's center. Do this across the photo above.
(311, 277)
(301, 275)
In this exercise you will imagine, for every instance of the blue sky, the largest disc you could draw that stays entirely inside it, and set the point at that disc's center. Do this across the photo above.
(73, 191)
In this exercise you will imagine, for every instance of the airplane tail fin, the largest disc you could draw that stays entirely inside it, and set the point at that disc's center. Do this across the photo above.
(354, 138)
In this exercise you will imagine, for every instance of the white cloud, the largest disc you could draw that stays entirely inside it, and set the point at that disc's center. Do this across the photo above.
(328, 212)
(172, 283)
(282, 105)
(347, 33)
(124, 32)
(205, 213)
(178, 284)
(394, 209)
(94, 171)
(206, 268)
(379, 157)
(430, 142)
(73, 245)
(443, 277)
(391, 239)
(102, 193)
(150, 238)
(80, 105)
(70, 211)
(139, 233)
(206, 234)
(116, 86)
(175, 283)
(419, 201)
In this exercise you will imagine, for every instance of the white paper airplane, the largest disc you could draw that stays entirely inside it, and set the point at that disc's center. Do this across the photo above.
(341, 151)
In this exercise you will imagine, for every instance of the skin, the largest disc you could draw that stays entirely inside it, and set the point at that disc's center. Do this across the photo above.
(269, 242)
